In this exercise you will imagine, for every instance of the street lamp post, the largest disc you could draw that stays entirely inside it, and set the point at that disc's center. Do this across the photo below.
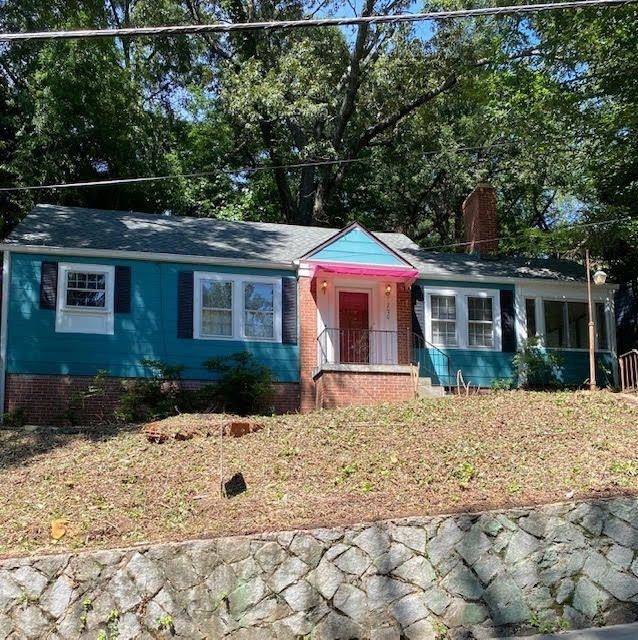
(599, 278)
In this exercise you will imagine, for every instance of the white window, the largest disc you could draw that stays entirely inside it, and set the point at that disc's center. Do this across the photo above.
(480, 322)
(463, 318)
(565, 323)
(85, 298)
(237, 307)
(443, 310)
(217, 308)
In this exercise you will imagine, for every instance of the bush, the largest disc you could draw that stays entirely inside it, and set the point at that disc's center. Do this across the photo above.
(157, 396)
(244, 386)
(536, 368)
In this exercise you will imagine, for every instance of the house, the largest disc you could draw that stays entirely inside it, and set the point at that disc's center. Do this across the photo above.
(340, 316)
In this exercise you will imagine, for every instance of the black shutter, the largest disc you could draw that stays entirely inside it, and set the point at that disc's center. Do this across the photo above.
(289, 310)
(48, 284)
(185, 304)
(508, 322)
(418, 312)
(122, 289)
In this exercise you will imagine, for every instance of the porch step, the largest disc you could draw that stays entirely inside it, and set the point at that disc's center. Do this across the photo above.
(425, 389)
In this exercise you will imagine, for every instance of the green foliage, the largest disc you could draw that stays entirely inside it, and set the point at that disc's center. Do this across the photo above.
(165, 623)
(465, 473)
(548, 626)
(536, 368)
(14, 419)
(502, 384)
(243, 385)
(159, 395)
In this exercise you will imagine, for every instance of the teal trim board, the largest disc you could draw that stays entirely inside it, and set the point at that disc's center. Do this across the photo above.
(358, 247)
(148, 331)
(464, 284)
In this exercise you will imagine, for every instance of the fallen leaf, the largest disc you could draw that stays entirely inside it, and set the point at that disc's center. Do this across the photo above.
(58, 528)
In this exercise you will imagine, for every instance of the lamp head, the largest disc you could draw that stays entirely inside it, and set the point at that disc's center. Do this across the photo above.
(600, 277)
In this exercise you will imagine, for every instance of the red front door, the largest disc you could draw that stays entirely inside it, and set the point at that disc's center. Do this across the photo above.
(354, 339)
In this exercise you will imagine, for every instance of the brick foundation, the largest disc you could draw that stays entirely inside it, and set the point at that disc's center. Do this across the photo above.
(347, 388)
(49, 400)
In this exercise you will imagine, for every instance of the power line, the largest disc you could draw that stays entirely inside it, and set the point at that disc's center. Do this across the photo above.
(226, 27)
(200, 174)
(207, 174)
(576, 225)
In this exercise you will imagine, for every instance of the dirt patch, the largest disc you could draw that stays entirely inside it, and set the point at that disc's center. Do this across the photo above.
(332, 467)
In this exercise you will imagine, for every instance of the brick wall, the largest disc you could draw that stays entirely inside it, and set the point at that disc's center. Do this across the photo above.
(49, 400)
(479, 219)
(346, 388)
(307, 305)
(404, 324)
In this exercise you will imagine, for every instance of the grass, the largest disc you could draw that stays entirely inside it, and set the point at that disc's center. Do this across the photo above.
(501, 449)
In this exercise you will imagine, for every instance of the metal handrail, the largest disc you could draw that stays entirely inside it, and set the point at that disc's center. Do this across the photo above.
(359, 346)
(419, 342)
(628, 363)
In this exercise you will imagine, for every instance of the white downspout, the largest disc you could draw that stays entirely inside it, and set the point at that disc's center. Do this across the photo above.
(6, 269)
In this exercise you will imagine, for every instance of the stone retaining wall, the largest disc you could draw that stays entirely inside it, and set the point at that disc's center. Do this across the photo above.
(461, 576)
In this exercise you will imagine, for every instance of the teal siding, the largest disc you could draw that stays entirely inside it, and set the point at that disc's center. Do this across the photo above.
(480, 368)
(483, 368)
(148, 331)
(358, 247)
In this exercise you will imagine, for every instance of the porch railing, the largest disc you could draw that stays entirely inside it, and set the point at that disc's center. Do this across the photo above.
(433, 363)
(628, 363)
(362, 346)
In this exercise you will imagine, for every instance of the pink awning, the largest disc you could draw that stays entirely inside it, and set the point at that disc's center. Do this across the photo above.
(402, 273)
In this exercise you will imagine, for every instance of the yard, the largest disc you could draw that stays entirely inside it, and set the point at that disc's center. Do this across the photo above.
(114, 487)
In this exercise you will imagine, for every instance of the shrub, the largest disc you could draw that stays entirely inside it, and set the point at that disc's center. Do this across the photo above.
(244, 386)
(536, 368)
(154, 397)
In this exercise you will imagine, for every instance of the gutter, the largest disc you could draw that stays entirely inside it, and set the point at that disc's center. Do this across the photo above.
(6, 270)
(119, 254)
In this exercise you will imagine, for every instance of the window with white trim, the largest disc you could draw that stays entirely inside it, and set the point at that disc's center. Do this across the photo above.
(443, 314)
(480, 322)
(463, 318)
(85, 298)
(237, 307)
(566, 323)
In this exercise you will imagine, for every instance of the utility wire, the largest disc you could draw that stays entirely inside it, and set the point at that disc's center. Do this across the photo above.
(227, 27)
(575, 225)
(207, 174)
(200, 174)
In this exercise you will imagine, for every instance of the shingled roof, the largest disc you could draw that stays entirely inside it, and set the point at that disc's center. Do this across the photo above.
(98, 229)
(58, 227)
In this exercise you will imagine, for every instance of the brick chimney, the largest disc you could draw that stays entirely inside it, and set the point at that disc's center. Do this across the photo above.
(479, 219)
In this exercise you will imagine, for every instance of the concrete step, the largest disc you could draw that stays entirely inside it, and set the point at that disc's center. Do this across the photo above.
(425, 389)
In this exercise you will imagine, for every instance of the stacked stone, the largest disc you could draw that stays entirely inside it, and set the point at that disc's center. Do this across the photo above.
(462, 576)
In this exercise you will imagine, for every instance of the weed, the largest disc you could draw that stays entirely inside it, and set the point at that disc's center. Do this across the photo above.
(514, 488)
(624, 468)
(14, 419)
(547, 626)
(366, 486)
(502, 384)
(87, 605)
(347, 470)
(112, 624)
(464, 473)
(165, 623)
(441, 631)
(599, 616)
